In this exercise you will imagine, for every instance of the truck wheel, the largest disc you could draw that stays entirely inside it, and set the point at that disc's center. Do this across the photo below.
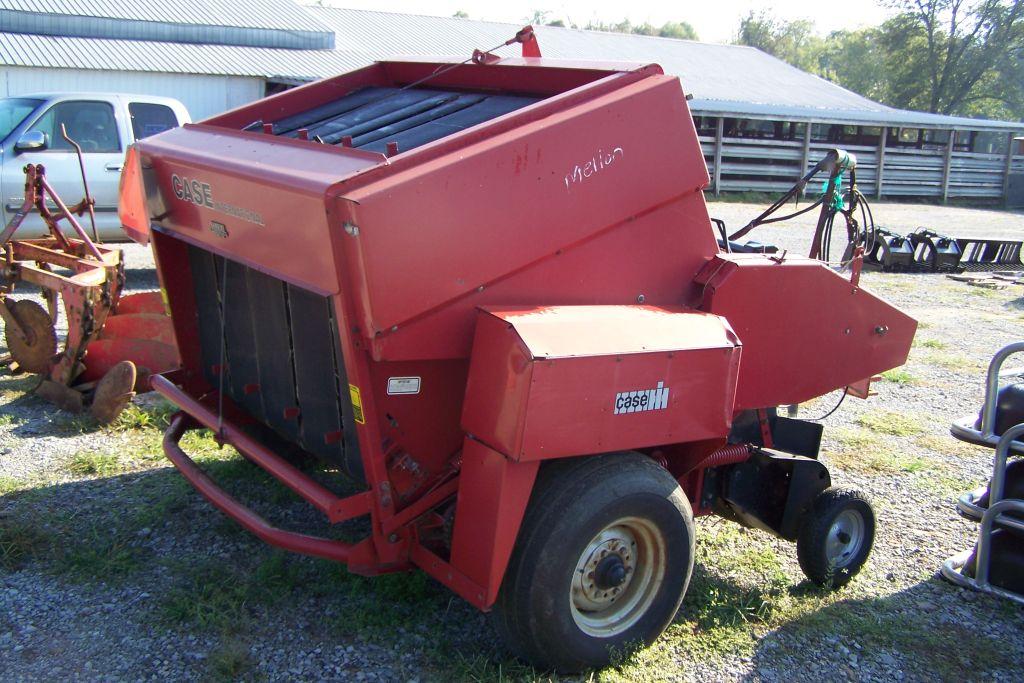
(602, 561)
(836, 536)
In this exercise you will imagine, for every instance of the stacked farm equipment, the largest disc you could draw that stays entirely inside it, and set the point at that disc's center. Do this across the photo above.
(114, 341)
(996, 563)
(490, 293)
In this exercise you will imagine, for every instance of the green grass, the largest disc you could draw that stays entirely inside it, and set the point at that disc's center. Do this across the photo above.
(900, 376)
(930, 343)
(97, 554)
(95, 464)
(892, 423)
(20, 541)
(230, 660)
(863, 450)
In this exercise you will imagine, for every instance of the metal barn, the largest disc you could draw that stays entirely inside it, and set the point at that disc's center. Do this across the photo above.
(761, 122)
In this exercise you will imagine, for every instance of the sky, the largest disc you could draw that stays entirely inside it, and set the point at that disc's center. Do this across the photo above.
(715, 21)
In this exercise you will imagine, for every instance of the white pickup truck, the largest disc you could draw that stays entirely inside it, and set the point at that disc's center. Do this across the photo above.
(103, 124)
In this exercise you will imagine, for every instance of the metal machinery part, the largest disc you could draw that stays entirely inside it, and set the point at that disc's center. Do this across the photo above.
(978, 567)
(846, 537)
(458, 279)
(92, 298)
(31, 338)
(617, 577)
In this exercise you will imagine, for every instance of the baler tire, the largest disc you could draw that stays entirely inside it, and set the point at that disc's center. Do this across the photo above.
(826, 558)
(574, 504)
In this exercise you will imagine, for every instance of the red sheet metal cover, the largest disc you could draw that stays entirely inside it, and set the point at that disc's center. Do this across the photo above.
(806, 330)
(466, 219)
(557, 381)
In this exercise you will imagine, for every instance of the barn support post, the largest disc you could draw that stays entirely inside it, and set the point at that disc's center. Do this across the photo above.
(719, 130)
(807, 149)
(947, 164)
(1007, 167)
(879, 175)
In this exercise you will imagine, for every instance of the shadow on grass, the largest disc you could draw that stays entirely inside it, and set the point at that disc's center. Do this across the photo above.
(928, 631)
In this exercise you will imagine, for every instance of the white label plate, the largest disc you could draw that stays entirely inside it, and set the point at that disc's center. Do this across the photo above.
(403, 385)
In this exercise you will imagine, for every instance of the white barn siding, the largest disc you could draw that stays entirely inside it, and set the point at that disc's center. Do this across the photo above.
(203, 95)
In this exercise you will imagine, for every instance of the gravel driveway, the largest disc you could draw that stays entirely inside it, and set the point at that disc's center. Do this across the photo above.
(112, 568)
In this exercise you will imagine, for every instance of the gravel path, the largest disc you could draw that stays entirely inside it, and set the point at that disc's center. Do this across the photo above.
(113, 569)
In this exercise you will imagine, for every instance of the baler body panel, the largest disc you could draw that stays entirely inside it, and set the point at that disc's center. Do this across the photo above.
(439, 230)
(438, 320)
(806, 329)
(558, 381)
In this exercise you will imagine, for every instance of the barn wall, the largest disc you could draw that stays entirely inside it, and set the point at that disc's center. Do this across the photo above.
(203, 95)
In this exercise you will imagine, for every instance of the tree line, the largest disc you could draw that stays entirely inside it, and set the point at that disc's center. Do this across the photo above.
(962, 57)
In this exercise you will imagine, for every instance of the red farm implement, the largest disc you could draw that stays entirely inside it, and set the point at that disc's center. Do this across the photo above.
(114, 342)
(490, 293)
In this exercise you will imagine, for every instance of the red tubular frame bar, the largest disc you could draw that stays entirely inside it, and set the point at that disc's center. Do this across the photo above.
(287, 540)
(335, 508)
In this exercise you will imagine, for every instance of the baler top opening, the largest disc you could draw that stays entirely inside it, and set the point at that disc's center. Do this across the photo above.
(371, 117)
(412, 103)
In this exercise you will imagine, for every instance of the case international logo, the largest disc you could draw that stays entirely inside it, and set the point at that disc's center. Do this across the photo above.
(640, 401)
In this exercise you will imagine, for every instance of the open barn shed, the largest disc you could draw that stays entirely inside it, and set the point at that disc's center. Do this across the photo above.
(761, 122)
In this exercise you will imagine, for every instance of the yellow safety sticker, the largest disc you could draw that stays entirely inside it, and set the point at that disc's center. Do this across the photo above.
(357, 404)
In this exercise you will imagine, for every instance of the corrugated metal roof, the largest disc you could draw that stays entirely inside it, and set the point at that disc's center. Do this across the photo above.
(723, 79)
(135, 55)
(272, 14)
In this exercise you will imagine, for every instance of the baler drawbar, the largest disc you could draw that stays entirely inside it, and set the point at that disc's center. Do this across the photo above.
(489, 292)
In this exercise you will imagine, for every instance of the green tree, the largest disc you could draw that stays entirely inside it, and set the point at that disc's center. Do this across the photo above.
(950, 47)
(794, 42)
(680, 30)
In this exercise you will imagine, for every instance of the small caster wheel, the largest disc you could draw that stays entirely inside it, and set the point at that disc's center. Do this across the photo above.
(836, 536)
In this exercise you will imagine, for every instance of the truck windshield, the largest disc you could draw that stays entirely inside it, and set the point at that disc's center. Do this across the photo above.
(14, 110)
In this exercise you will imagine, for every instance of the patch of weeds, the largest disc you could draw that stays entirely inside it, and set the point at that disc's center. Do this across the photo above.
(375, 606)
(98, 555)
(135, 417)
(929, 343)
(947, 361)
(210, 595)
(92, 463)
(863, 450)
(230, 660)
(901, 377)
(947, 445)
(20, 541)
(891, 422)
(944, 485)
(481, 668)
(9, 485)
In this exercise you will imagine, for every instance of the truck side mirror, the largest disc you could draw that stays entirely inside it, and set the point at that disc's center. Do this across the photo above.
(32, 141)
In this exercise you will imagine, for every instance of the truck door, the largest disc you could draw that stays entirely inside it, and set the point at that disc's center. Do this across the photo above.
(92, 124)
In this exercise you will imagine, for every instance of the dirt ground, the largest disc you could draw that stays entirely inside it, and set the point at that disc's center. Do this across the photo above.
(112, 568)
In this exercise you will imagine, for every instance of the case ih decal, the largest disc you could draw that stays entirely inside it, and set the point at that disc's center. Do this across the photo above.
(639, 401)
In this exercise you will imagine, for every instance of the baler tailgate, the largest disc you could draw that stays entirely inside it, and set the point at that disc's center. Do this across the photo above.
(282, 362)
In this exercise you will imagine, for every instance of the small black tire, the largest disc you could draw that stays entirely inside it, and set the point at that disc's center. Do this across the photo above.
(601, 563)
(836, 536)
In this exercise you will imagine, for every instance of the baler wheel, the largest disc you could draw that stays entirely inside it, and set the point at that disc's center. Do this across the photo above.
(602, 562)
(836, 536)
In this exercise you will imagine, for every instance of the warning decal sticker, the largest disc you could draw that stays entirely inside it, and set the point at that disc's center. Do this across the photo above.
(357, 404)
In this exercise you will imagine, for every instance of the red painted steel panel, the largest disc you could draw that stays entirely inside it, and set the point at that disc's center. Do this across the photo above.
(493, 493)
(257, 199)
(654, 255)
(571, 380)
(444, 228)
(806, 330)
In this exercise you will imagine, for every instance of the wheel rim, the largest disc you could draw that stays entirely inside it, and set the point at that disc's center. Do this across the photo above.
(617, 577)
(845, 538)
